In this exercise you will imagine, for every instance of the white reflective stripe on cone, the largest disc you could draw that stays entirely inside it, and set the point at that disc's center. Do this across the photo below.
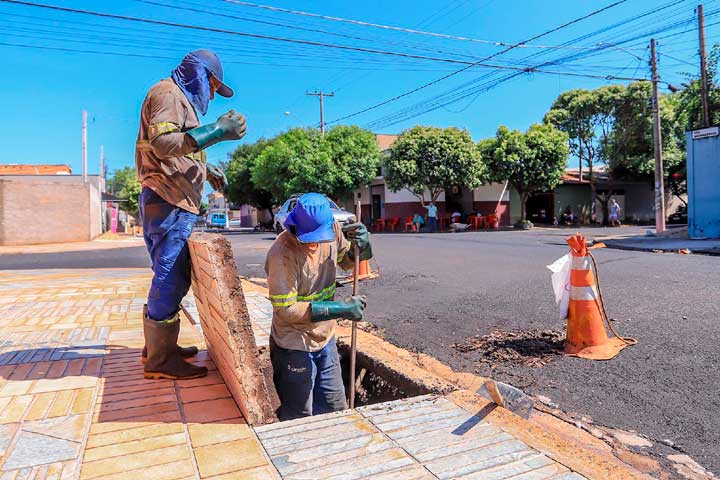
(583, 293)
(581, 263)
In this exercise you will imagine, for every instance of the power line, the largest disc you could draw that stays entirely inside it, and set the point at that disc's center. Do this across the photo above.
(445, 77)
(232, 32)
(442, 100)
(399, 29)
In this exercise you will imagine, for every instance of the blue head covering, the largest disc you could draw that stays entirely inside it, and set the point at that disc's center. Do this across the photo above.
(193, 78)
(313, 219)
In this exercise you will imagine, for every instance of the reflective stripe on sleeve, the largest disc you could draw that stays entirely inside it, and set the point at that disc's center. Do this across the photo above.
(158, 129)
(324, 294)
(284, 303)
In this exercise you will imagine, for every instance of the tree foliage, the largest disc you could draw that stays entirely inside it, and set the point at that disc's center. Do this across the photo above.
(241, 187)
(530, 161)
(433, 159)
(303, 160)
(125, 184)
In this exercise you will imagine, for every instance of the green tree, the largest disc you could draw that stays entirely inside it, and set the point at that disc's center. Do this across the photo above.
(433, 159)
(303, 160)
(125, 184)
(241, 187)
(530, 161)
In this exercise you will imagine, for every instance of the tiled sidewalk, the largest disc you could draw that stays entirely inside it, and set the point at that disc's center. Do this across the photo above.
(73, 401)
(74, 404)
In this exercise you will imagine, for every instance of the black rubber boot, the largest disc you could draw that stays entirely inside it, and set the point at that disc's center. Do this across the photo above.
(164, 360)
(185, 352)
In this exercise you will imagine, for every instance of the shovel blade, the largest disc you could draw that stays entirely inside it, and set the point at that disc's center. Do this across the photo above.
(507, 396)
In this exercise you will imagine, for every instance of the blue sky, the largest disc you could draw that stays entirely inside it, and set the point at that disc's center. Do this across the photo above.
(44, 90)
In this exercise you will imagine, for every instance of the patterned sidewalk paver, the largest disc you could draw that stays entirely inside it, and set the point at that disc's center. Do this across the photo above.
(73, 400)
(74, 405)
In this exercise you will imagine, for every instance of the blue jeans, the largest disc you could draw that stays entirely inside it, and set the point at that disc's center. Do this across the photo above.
(432, 224)
(166, 230)
(308, 383)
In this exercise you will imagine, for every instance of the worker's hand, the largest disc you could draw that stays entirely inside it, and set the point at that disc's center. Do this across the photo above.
(351, 308)
(357, 233)
(216, 177)
(232, 125)
(355, 306)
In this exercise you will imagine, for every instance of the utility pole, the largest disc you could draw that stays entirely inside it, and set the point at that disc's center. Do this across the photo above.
(321, 95)
(84, 146)
(703, 69)
(102, 166)
(657, 137)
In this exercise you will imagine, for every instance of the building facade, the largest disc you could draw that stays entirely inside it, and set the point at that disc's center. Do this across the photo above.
(50, 207)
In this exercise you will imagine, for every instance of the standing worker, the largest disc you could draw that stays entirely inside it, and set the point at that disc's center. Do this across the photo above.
(171, 165)
(301, 266)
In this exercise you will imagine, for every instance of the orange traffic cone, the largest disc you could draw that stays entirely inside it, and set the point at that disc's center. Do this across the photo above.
(586, 336)
(364, 271)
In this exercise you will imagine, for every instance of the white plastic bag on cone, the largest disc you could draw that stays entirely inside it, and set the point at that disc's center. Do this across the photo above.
(560, 278)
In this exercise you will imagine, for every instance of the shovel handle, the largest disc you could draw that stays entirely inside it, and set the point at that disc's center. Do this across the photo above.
(356, 291)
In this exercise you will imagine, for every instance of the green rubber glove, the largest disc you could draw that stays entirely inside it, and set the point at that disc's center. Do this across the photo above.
(351, 308)
(230, 126)
(357, 233)
(216, 177)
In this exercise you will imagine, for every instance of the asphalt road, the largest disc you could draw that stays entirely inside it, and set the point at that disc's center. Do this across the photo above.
(439, 289)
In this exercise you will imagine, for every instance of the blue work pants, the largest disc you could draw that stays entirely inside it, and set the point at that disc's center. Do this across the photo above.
(432, 224)
(308, 383)
(166, 229)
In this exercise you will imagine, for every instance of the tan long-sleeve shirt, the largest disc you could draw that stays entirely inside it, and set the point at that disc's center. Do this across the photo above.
(166, 159)
(299, 274)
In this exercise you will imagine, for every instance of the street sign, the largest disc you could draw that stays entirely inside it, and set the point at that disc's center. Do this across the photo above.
(706, 132)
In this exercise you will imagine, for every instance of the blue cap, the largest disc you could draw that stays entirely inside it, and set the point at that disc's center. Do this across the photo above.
(212, 63)
(313, 219)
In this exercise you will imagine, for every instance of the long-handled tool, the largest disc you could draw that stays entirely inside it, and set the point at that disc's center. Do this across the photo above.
(356, 290)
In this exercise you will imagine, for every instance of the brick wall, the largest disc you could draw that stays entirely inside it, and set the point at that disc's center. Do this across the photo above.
(226, 325)
(42, 211)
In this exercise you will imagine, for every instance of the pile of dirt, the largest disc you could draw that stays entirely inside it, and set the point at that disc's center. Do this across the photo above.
(532, 348)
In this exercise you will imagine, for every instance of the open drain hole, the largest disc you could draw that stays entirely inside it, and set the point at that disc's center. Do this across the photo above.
(376, 381)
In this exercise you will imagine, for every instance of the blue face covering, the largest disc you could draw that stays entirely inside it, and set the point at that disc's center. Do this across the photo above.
(192, 78)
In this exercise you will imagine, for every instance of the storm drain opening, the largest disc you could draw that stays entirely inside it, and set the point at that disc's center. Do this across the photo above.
(375, 382)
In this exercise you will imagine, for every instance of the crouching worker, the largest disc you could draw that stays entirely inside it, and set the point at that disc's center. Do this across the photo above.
(301, 267)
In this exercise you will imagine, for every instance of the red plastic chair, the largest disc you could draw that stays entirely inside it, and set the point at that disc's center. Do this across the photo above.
(492, 221)
(392, 224)
(379, 225)
(409, 225)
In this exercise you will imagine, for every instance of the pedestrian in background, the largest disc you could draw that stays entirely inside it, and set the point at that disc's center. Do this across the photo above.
(432, 216)
(614, 213)
(418, 221)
